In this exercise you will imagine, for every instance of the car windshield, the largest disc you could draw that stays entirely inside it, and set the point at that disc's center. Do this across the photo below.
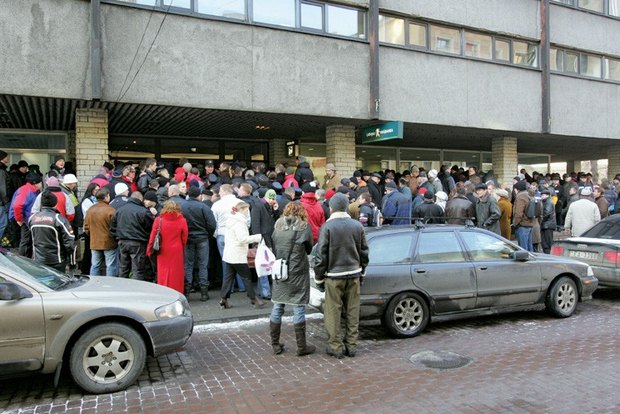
(604, 230)
(33, 271)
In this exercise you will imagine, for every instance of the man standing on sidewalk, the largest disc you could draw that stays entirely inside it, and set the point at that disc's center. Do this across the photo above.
(4, 197)
(102, 244)
(521, 222)
(342, 256)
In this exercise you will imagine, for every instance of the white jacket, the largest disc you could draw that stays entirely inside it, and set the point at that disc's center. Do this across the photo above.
(237, 238)
(582, 214)
(222, 209)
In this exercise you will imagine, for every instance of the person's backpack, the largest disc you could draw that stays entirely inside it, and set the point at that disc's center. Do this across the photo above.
(530, 211)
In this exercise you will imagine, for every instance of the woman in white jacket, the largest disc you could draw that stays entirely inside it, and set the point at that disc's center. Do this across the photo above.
(236, 241)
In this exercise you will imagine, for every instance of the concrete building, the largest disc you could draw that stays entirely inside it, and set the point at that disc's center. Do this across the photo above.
(496, 84)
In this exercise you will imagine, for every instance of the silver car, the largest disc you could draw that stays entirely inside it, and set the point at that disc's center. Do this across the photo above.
(102, 327)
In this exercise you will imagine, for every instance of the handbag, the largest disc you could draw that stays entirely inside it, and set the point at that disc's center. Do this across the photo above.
(252, 257)
(157, 240)
(279, 270)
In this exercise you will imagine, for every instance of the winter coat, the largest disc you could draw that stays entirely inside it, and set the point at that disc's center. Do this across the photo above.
(603, 206)
(170, 259)
(4, 194)
(430, 211)
(133, 221)
(316, 216)
(396, 209)
(200, 220)
(237, 238)
(505, 209)
(15, 180)
(97, 226)
(64, 205)
(536, 236)
(222, 209)
(51, 237)
(548, 216)
(22, 202)
(459, 208)
(488, 214)
(290, 181)
(582, 214)
(263, 220)
(304, 173)
(295, 236)
(519, 217)
(332, 183)
(376, 192)
(144, 180)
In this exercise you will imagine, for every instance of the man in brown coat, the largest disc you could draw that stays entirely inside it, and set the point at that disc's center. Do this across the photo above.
(521, 222)
(102, 244)
(332, 179)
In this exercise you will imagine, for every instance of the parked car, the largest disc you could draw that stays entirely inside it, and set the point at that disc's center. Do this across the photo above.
(441, 272)
(104, 327)
(599, 247)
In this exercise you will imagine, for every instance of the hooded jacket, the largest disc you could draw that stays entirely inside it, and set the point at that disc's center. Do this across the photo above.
(237, 238)
(304, 173)
(316, 216)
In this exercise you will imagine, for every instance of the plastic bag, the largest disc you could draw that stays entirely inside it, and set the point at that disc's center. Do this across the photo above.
(264, 259)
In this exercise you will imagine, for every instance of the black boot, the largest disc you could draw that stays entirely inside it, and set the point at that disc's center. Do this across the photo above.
(274, 329)
(204, 293)
(187, 289)
(300, 335)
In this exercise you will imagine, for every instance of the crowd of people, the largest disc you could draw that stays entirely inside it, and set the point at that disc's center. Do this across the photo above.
(189, 226)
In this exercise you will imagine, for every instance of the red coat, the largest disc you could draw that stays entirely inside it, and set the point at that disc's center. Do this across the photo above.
(316, 215)
(133, 187)
(170, 259)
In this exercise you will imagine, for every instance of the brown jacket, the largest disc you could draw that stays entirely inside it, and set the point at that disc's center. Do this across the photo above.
(504, 221)
(97, 226)
(519, 217)
(603, 206)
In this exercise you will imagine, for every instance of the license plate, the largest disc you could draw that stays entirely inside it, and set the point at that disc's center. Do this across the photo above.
(583, 255)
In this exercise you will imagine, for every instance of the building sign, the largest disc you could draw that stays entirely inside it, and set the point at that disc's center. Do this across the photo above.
(382, 132)
(292, 149)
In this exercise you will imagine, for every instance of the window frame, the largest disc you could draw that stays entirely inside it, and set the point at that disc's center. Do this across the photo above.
(342, 6)
(323, 16)
(383, 237)
(419, 241)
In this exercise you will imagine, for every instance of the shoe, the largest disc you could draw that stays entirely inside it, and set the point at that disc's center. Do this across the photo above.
(300, 335)
(204, 293)
(276, 345)
(349, 352)
(257, 302)
(187, 291)
(224, 304)
(336, 355)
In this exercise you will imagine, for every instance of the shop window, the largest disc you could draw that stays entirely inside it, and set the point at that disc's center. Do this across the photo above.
(525, 54)
(276, 12)
(594, 5)
(445, 39)
(182, 4)
(502, 50)
(478, 45)
(232, 9)
(417, 34)
(391, 30)
(346, 22)
(612, 69)
(312, 16)
(590, 65)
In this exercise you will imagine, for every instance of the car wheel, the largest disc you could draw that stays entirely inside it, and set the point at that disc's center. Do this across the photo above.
(562, 297)
(107, 358)
(407, 315)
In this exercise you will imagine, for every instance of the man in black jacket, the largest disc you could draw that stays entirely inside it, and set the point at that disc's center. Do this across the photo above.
(263, 220)
(376, 189)
(201, 225)
(131, 225)
(428, 211)
(548, 224)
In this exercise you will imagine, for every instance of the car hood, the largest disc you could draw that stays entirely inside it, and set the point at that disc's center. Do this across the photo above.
(542, 257)
(588, 240)
(124, 290)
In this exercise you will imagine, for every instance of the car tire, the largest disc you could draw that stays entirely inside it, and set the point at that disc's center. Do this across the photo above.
(407, 315)
(562, 298)
(107, 358)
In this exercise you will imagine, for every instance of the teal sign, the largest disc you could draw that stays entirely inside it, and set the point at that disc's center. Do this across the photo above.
(382, 132)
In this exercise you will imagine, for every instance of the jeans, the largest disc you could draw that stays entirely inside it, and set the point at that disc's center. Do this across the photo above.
(111, 264)
(220, 247)
(264, 288)
(198, 251)
(133, 259)
(524, 238)
(299, 313)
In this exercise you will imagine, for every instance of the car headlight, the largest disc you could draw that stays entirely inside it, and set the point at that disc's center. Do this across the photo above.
(589, 272)
(170, 311)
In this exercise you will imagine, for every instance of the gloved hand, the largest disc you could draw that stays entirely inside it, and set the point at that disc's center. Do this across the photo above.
(320, 286)
(362, 277)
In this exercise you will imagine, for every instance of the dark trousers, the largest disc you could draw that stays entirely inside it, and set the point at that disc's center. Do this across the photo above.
(86, 256)
(133, 259)
(25, 248)
(546, 236)
(197, 251)
(61, 267)
(232, 269)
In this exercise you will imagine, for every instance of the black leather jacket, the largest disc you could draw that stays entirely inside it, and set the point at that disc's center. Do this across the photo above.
(51, 236)
(458, 209)
(200, 220)
(133, 221)
(548, 217)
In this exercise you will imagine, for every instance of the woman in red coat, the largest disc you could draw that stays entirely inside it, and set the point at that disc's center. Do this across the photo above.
(173, 238)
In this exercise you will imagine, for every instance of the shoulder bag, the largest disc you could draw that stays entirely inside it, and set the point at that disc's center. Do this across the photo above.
(279, 270)
(157, 241)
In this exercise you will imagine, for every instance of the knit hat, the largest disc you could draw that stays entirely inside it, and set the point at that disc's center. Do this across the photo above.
(193, 192)
(48, 199)
(108, 166)
(429, 195)
(586, 191)
(58, 158)
(270, 194)
(69, 179)
(150, 196)
(330, 166)
(117, 173)
(520, 186)
(120, 188)
(52, 182)
(432, 173)
(33, 178)
(339, 202)
(21, 164)
(391, 184)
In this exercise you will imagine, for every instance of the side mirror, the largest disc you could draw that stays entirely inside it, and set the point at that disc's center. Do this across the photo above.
(11, 291)
(521, 256)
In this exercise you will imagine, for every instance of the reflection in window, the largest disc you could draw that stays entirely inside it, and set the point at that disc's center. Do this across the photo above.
(570, 62)
(439, 247)
(312, 16)
(590, 65)
(445, 39)
(485, 247)
(346, 22)
(184, 4)
(396, 249)
(391, 30)
(277, 12)
(525, 54)
(612, 69)
(594, 5)
(417, 34)
(502, 50)
(232, 9)
(478, 45)
(555, 59)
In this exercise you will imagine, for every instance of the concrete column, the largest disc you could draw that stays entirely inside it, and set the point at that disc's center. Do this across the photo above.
(340, 148)
(613, 161)
(573, 166)
(91, 143)
(505, 159)
(277, 152)
(71, 146)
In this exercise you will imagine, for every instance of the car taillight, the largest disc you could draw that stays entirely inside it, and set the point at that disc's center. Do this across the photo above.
(612, 257)
(557, 250)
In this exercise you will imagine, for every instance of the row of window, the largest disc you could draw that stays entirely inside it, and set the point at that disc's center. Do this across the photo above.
(301, 14)
(456, 41)
(609, 7)
(585, 64)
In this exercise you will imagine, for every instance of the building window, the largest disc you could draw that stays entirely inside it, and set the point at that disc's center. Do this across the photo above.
(478, 45)
(231, 9)
(612, 69)
(525, 54)
(276, 12)
(590, 65)
(570, 62)
(346, 22)
(555, 59)
(445, 39)
(502, 50)
(594, 5)
(614, 8)
(312, 16)
(391, 30)
(417, 34)
(182, 4)
(143, 2)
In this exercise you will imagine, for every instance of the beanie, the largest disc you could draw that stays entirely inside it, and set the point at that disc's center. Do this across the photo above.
(150, 196)
(33, 178)
(48, 199)
(339, 202)
(193, 192)
(120, 188)
(520, 186)
(52, 182)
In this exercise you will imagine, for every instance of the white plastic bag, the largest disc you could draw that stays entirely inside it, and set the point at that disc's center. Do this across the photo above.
(264, 259)
(280, 270)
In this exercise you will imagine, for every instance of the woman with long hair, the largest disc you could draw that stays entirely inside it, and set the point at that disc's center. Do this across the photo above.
(292, 241)
(87, 202)
(173, 238)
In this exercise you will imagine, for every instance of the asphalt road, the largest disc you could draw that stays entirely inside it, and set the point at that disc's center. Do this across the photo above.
(527, 362)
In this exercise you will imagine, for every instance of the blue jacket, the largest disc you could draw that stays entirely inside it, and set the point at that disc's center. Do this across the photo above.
(396, 208)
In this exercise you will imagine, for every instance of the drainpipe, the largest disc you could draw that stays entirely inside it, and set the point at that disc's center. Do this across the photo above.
(373, 37)
(545, 66)
(95, 48)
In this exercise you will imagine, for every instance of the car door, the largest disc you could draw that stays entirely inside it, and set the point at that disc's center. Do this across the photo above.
(442, 270)
(22, 332)
(501, 280)
(389, 265)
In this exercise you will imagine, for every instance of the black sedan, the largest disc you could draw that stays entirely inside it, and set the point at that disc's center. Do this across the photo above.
(599, 247)
(441, 272)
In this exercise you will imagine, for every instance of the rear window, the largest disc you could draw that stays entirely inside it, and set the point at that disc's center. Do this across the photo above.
(604, 230)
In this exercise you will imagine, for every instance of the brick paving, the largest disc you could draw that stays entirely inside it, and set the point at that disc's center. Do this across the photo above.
(521, 363)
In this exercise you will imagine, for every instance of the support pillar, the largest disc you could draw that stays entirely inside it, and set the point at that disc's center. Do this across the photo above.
(613, 161)
(573, 166)
(277, 153)
(91, 143)
(505, 159)
(340, 148)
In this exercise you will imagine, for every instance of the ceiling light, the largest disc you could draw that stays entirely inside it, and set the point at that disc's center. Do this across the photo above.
(262, 127)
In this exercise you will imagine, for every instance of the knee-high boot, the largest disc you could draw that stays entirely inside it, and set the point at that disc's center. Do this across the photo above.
(274, 329)
(300, 335)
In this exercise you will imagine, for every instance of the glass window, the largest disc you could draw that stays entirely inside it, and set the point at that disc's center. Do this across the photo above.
(375, 158)
(346, 22)
(604, 230)
(478, 45)
(439, 247)
(612, 69)
(232, 9)
(502, 50)
(184, 4)
(391, 30)
(445, 39)
(570, 62)
(590, 65)
(484, 247)
(278, 12)
(390, 249)
(525, 54)
(312, 16)
(594, 5)
(427, 158)
(417, 34)
(31, 270)
(555, 59)
(614, 7)
(143, 2)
